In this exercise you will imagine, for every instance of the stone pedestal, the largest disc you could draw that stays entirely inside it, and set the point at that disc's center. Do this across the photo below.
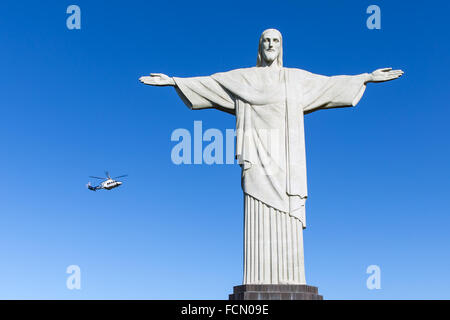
(275, 292)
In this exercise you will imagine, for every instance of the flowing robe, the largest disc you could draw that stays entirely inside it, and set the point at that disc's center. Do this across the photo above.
(269, 105)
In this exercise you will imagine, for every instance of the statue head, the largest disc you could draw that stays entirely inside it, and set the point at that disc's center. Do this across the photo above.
(270, 48)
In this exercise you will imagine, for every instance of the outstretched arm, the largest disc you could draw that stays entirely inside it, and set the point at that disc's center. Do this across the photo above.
(196, 92)
(341, 91)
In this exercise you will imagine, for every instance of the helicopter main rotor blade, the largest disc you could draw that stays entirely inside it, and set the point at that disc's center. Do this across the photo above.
(97, 178)
(107, 174)
(124, 175)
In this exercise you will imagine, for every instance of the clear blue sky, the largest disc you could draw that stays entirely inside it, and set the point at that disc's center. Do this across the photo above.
(71, 106)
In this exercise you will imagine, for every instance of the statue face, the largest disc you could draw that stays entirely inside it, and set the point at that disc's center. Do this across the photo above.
(271, 46)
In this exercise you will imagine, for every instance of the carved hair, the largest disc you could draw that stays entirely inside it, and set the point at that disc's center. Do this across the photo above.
(260, 59)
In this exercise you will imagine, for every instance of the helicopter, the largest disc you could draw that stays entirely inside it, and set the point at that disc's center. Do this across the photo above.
(108, 183)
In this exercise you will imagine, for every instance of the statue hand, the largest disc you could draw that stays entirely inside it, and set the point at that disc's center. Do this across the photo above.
(385, 74)
(157, 79)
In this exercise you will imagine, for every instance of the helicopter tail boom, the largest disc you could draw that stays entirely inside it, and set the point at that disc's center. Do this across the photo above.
(91, 187)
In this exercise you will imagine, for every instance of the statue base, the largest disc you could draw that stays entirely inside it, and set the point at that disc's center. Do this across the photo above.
(275, 292)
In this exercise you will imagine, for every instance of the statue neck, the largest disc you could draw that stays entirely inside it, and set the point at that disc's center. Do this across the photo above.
(271, 65)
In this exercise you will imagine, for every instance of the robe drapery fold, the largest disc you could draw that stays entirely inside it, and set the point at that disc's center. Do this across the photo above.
(273, 245)
(269, 106)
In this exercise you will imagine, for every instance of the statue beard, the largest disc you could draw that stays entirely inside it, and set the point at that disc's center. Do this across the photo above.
(270, 56)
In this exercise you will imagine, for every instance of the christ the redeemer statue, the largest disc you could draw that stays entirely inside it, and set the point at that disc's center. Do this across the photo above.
(271, 100)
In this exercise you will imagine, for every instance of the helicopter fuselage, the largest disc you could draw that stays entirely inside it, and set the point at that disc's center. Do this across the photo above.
(110, 184)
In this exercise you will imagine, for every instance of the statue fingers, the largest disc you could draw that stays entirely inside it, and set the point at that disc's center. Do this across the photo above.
(147, 80)
(396, 74)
